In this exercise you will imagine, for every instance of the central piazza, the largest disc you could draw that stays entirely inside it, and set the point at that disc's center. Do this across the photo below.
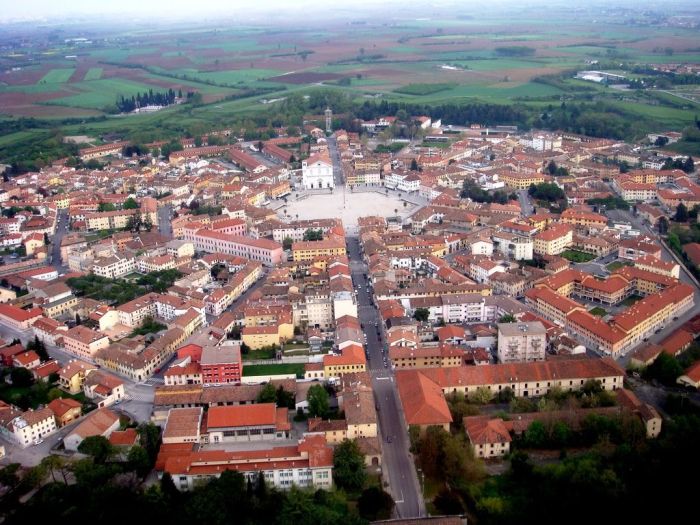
(346, 205)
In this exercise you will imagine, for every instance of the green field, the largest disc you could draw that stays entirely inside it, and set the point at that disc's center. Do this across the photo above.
(271, 370)
(96, 94)
(57, 76)
(94, 73)
(398, 65)
(423, 89)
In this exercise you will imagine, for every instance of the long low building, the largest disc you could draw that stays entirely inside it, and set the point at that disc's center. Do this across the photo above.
(266, 251)
(423, 391)
(308, 464)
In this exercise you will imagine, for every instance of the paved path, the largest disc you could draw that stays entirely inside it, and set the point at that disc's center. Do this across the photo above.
(397, 464)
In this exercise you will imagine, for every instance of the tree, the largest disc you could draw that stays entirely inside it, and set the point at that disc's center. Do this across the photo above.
(287, 243)
(149, 438)
(268, 394)
(39, 347)
(21, 377)
(535, 435)
(664, 369)
(663, 225)
(78, 320)
(349, 466)
(106, 206)
(681, 213)
(130, 204)
(98, 447)
(318, 401)
(375, 504)
(414, 165)
(55, 464)
(138, 461)
(506, 395)
(313, 235)
(421, 314)
(481, 396)
(508, 318)
(284, 398)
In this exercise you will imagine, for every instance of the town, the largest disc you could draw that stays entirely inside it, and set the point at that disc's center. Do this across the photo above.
(285, 307)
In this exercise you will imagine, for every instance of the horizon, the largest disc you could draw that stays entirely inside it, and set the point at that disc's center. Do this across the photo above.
(180, 10)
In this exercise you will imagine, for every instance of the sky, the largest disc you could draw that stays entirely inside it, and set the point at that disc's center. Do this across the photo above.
(181, 8)
(184, 9)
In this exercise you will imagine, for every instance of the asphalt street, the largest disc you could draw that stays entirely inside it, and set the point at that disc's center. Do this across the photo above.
(397, 463)
(56, 238)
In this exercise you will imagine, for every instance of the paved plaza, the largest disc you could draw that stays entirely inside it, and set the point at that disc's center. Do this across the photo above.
(346, 205)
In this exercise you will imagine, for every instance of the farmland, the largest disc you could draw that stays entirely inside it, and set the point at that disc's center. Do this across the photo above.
(495, 58)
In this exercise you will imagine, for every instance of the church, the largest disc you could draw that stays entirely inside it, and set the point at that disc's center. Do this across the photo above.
(317, 172)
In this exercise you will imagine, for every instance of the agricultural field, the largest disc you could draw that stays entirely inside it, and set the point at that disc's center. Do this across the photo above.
(495, 58)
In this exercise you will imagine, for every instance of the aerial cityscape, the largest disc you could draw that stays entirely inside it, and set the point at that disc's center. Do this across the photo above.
(291, 263)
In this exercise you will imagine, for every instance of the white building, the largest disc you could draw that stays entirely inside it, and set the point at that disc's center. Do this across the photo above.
(521, 342)
(317, 172)
(31, 426)
(344, 304)
(113, 267)
(513, 246)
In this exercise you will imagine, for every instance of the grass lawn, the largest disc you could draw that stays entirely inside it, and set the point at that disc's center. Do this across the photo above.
(271, 370)
(253, 355)
(601, 312)
(617, 264)
(631, 300)
(577, 257)
(57, 76)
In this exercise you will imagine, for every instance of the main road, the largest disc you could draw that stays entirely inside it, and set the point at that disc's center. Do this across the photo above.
(397, 463)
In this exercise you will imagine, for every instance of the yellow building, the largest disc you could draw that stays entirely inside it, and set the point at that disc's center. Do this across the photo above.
(308, 250)
(72, 376)
(351, 360)
(521, 181)
(554, 240)
(256, 337)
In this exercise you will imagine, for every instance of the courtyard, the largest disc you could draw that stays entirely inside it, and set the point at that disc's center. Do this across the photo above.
(346, 205)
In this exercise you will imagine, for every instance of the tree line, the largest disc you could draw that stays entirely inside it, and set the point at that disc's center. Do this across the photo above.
(129, 104)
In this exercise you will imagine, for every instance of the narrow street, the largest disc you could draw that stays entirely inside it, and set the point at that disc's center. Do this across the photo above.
(397, 463)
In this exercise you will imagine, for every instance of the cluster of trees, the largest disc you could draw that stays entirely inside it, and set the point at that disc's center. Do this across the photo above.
(610, 203)
(447, 459)
(546, 191)
(120, 291)
(597, 120)
(515, 51)
(687, 165)
(127, 105)
(90, 489)
(313, 235)
(594, 427)
(470, 190)
(555, 170)
(270, 394)
(617, 477)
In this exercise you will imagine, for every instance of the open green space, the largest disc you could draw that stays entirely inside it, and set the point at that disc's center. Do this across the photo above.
(57, 76)
(423, 89)
(578, 257)
(600, 312)
(98, 94)
(617, 264)
(94, 73)
(277, 369)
